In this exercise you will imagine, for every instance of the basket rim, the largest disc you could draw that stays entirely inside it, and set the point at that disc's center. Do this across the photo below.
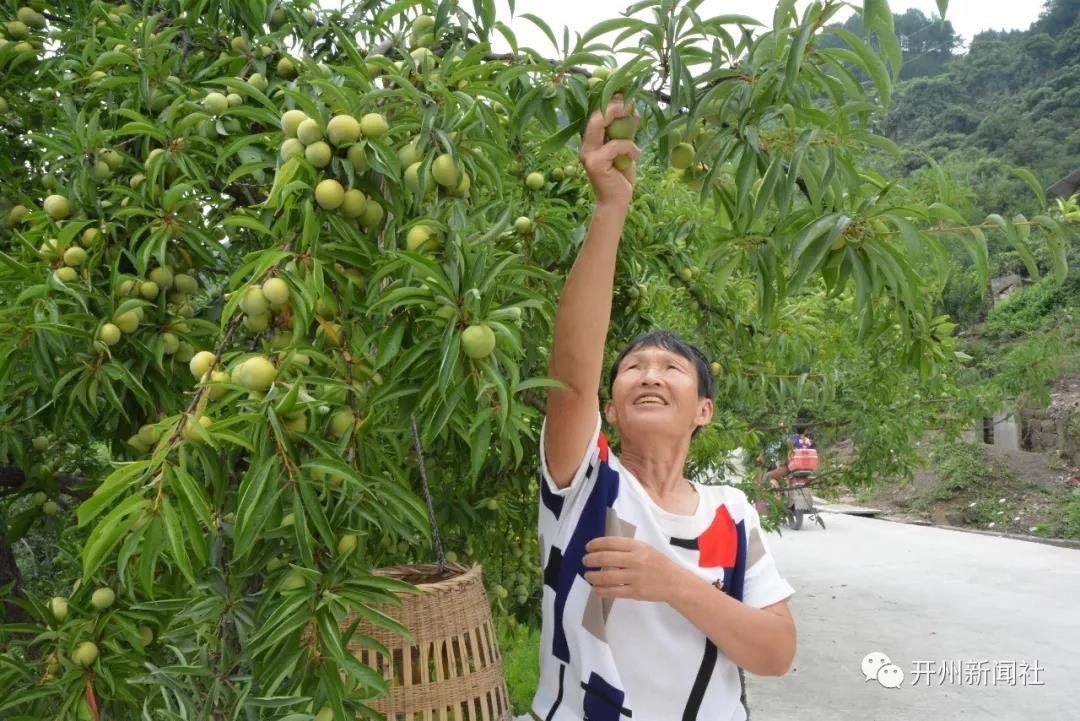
(462, 574)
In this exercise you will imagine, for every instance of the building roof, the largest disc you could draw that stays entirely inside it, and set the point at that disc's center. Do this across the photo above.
(1067, 185)
(998, 285)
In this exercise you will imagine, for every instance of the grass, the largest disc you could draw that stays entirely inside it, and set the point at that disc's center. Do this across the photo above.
(962, 469)
(1072, 515)
(1028, 310)
(864, 496)
(985, 492)
(520, 645)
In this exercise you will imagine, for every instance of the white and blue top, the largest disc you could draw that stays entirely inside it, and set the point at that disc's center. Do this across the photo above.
(615, 659)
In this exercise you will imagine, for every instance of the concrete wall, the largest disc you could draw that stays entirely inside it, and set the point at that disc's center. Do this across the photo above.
(1006, 431)
(1003, 430)
(1054, 429)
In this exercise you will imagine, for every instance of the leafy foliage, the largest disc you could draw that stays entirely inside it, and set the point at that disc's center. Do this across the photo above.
(927, 43)
(520, 644)
(1008, 100)
(1027, 310)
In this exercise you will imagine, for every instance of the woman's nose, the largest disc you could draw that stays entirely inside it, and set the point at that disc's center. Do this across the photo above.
(650, 376)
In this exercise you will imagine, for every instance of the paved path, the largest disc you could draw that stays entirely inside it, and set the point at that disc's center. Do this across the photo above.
(921, 594)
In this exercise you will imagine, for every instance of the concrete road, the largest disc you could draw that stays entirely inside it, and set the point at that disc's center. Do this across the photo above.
(956, 612)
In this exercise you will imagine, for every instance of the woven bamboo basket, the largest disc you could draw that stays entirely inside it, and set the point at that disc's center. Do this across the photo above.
(454, 670)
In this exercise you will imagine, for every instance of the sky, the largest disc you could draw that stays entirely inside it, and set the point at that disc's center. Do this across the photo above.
(967, 16)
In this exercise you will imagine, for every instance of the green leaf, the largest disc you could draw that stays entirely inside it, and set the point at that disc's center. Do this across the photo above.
(115, 484)
(1057, 236)
(815, 247)
(796, 52)
(284, 176)
(191, 494)
(257, 500)
(878, 18)
(313, 511)
(871, 64)
(508, 35)
(543, 27)
(1029, 177)
(175, 533)
(480, 442)
(784, 13)
(562, 137)
(239, 220)
(142, 128)
(537, 383)
(390, 342)
(980, 255)
(607, 26)
(109, 531)
(12, 264)
(1017, 243)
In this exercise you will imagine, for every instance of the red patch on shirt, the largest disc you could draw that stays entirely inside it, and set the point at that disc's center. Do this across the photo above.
(719, 544)
(602, 442)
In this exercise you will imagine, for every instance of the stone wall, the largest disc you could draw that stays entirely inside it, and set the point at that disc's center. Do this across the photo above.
(1056, 427)
(1070, 438)
(1040, 430)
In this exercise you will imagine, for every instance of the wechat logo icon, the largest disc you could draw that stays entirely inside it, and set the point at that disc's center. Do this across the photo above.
(876, 666)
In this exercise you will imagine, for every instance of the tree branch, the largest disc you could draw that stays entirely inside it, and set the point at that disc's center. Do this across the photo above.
(12, 478)
(55, 18)
(440, 555)
(535, 402)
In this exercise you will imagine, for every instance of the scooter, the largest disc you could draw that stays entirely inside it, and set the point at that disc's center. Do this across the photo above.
(799, 500)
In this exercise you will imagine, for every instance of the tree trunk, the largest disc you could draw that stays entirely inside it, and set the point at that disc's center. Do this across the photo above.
(10, 576)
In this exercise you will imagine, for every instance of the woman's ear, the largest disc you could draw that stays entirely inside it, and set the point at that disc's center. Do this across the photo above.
(705, 412)
(609, 412)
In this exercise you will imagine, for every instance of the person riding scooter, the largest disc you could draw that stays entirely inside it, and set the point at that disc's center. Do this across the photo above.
(794, 459)
(782, 462)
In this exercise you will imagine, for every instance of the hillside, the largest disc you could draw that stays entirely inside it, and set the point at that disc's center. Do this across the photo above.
(963, 121)
(1012, 98)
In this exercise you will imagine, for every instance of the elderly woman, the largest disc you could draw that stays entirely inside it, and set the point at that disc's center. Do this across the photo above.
(656, 588)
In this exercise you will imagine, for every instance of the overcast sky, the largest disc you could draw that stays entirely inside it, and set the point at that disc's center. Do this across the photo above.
(968, 16)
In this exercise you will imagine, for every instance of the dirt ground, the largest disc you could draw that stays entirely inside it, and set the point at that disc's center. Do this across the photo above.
(1025, 493)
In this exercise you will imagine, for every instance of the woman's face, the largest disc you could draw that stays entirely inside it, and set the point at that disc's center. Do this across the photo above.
(656, 390)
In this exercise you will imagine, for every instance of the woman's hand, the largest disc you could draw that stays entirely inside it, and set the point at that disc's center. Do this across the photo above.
(632, 569)
(612, 187)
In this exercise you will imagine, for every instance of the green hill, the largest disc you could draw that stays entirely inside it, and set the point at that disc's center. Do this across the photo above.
(1011, 98)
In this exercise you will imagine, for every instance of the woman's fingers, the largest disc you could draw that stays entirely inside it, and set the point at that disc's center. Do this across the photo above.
(617, 109)
(593, 139)
(613, 148)
(604, 559)
(602, 579)
(600, 160)
(594, 135)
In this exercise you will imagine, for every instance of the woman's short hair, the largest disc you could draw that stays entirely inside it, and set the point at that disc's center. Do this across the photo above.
(670, 341)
